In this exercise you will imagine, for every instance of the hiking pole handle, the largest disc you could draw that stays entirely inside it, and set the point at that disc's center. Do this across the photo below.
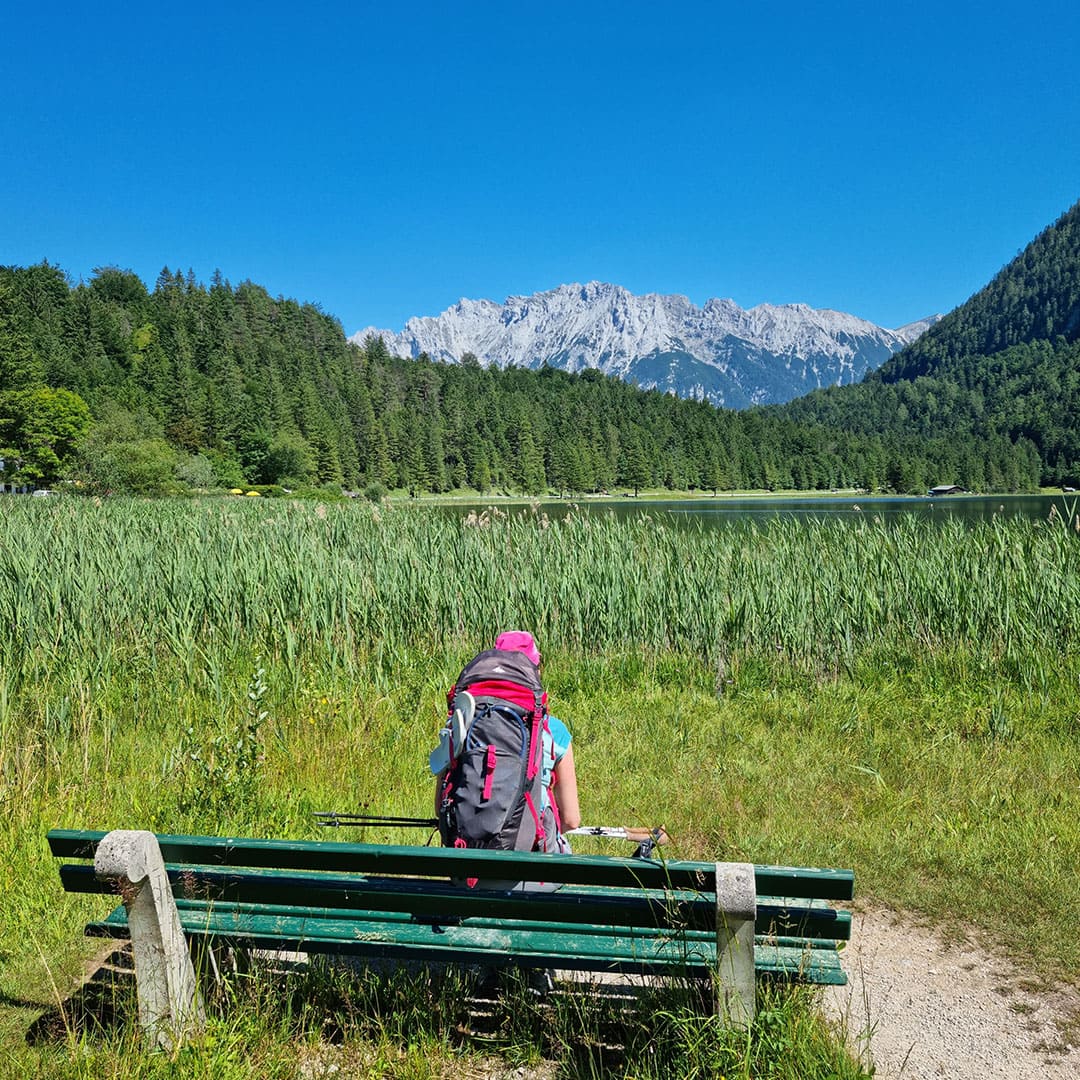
(658, 836)
(646, 839)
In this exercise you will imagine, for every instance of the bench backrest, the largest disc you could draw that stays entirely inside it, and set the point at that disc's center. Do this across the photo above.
(425, 884)
(437, 862)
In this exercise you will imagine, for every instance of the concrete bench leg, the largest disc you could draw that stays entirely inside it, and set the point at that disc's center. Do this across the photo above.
(170, 1006)
(736, 911)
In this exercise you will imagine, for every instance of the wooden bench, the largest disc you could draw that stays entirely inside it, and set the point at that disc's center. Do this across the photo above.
(580, 912)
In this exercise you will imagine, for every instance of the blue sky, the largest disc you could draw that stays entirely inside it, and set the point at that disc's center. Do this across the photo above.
(385, 160)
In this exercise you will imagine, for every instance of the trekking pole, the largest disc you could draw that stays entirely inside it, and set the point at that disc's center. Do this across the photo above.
(646, 839)
(335, 820)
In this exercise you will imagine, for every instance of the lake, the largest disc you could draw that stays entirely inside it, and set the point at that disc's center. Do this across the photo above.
(726, 508)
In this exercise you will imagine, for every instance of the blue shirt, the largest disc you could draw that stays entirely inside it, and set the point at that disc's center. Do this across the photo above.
(556, 742)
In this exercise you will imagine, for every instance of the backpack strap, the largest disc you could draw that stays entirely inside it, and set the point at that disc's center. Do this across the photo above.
(532, 774)
(538, 822)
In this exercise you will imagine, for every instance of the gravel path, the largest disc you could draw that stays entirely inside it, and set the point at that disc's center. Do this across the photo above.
(923, 1008)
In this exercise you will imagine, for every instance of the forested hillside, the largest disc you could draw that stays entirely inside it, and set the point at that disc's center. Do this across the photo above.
(1006, 364)
(122, 388)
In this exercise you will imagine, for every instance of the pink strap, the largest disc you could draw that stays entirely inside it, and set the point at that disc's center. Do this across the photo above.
(470, 882)
(489, 779)
(535, 748)
(541, 836)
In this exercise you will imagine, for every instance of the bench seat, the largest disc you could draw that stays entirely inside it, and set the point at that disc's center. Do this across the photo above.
(382, 936)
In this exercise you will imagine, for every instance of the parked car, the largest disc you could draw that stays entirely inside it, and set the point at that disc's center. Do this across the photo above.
(43, 493)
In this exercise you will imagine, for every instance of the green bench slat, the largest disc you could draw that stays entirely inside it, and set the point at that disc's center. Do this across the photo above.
(421, 897)
(465, 944)
(444, 901)
(388, 921)
(819, 966)
(391, 919)
(564, 928)
(371, 935)
(378, 859)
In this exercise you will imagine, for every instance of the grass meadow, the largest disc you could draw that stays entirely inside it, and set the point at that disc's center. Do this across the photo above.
(897, 698)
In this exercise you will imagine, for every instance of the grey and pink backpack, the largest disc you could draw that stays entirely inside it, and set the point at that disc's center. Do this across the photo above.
(491, 796)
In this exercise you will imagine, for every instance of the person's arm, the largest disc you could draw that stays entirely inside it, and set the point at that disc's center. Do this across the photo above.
(564, 790)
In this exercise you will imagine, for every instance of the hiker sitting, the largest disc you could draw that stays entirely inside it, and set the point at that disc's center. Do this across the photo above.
(504, 766)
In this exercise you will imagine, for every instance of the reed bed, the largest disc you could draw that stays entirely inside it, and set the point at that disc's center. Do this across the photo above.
(85, 588)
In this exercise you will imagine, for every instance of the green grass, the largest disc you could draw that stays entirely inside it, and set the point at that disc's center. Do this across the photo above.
(323, 1021)
(897, 699)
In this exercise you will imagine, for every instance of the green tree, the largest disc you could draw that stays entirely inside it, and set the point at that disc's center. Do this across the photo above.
(196, 471)
(529, 462)
(19, 365)
(636, 464)
(289, 460)
(42, 429)
(125, 452)
(142, 467)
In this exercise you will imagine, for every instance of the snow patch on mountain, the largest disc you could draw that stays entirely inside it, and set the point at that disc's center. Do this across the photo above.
(719, 352)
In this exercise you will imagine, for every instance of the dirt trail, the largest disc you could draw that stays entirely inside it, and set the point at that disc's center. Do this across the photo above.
(924, 1008)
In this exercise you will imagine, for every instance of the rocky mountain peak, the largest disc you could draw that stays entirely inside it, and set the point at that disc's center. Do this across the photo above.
(719, 352)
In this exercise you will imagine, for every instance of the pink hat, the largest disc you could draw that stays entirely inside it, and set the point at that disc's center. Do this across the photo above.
(518, 641)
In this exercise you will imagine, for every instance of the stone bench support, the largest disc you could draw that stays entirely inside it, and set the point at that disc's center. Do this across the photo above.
(170, 1006)
(736, 911)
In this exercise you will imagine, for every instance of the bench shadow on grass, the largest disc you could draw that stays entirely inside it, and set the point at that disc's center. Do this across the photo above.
(590, 1026)
(101, 1005)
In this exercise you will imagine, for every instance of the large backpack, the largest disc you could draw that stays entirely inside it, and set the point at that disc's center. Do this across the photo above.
(492, 796)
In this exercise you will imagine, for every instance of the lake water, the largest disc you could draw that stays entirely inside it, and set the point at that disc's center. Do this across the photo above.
(726, 508)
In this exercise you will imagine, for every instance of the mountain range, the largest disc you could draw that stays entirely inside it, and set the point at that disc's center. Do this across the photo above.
(720, 353)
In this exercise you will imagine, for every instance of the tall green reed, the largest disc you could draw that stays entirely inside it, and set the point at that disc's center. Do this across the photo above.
(88, 591)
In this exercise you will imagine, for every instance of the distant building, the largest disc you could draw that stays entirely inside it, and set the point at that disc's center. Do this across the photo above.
(946, 489)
